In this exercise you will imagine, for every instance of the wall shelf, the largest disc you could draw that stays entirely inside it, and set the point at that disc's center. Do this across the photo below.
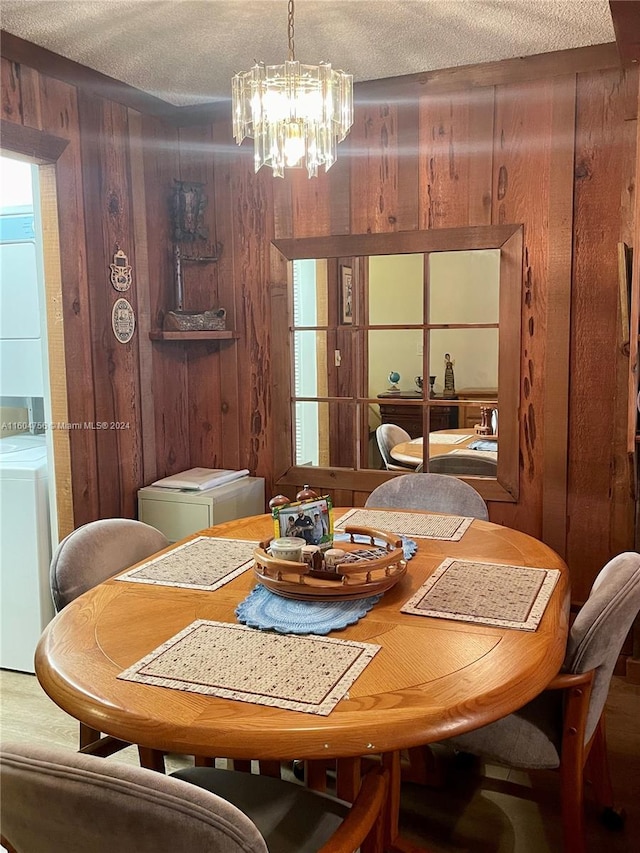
(226, 335)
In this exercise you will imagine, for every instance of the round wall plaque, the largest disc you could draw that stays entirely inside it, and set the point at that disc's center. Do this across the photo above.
(123, 320)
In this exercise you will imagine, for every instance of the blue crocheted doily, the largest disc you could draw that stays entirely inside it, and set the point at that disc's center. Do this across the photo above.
(268, 611)
(265, 610)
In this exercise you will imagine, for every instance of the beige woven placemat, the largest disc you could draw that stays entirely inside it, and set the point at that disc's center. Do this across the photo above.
(486, 593)
(202, 563)
(427, 526)
(448, 437)
(309, 674)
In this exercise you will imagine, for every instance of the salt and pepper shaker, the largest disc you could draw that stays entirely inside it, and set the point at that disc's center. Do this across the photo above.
(333, 556)
(279, 500)
(309, 554)
(484, 427)
(306, 494)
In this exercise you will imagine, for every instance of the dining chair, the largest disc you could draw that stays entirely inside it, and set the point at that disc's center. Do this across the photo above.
(563, 727)
(472, 463)
(434, 492)
(86, 557)
(387, 436)
(57, 801)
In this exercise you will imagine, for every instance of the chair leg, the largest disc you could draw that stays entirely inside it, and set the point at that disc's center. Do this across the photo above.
(573, 812)
(572, 767)
(597, 768)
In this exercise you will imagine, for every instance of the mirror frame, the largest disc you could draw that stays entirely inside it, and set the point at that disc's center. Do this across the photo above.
(508, 238)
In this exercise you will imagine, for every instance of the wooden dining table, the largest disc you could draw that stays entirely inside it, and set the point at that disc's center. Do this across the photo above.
(431, 679)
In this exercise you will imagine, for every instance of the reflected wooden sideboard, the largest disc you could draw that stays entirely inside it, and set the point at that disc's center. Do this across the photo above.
(410, 417)
(463, 414)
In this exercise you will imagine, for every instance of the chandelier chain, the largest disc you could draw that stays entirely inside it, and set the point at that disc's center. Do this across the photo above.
(292, 53)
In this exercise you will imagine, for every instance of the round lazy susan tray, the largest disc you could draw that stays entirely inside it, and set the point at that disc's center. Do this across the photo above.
(370, 568)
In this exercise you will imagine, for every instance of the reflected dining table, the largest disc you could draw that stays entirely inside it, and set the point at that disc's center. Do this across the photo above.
(431, 679)
(440, 442)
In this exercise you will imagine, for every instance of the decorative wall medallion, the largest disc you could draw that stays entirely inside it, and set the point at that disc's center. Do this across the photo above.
(120, 271)
(123, 321)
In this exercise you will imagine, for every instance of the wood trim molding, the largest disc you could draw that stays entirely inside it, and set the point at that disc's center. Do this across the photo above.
(396, 242)
(505, 71)
(59, 67)
(56, 350)
(625, 15)
(634, 332)
(31, 143)
(45, 148)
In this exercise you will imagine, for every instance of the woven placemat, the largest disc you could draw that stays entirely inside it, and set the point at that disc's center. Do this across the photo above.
(486, 593)
(201, 563)
(447, 437)
(426, 526)
(308, 674)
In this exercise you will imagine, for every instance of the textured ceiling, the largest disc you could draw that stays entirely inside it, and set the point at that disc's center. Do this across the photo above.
(186, 51)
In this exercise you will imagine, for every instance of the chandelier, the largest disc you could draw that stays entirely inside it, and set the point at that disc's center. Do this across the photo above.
(296, 114)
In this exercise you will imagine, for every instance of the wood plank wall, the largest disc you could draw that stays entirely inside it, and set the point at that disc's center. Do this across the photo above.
(549, 142)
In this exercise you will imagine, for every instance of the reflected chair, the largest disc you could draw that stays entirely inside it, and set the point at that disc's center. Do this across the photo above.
(387, 436)
(86, 557)
(432, 492)
(56, 801)
(564, 726)
(472, 463)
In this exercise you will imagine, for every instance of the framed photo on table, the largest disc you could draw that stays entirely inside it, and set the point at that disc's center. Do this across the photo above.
(309, 520)
(346, 296)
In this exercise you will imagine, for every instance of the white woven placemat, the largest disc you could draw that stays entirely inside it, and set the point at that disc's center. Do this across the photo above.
(309, 674)
(427, 526)
(448, 437)
(202, 563)
(486, 593)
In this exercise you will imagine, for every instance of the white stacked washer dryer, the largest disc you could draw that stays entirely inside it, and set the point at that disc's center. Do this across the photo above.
(25, 549)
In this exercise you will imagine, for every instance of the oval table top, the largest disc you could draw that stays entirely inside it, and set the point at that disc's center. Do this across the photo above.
(432, 678)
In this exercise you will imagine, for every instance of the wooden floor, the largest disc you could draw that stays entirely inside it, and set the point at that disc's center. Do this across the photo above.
(472, 813)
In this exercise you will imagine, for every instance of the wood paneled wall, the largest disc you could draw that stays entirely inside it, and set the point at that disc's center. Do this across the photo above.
(548, 142)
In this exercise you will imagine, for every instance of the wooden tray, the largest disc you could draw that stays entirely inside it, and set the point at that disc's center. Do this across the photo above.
(358, 579)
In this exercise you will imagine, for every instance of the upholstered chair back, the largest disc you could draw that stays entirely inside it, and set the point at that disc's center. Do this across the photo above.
(387, 436)
(433, 492)
(97, 551)
(472, 463)
(601, 626)
(58, 801)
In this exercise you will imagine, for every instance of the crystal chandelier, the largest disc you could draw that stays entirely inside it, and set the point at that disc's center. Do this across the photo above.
(296, 114)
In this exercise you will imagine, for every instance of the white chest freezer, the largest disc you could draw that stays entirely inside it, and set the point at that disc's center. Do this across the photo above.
(179, 512)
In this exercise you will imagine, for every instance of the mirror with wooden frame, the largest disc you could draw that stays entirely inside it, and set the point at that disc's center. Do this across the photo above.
(417, 329)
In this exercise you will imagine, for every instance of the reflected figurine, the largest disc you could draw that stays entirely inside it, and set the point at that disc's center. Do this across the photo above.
(449, 379)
